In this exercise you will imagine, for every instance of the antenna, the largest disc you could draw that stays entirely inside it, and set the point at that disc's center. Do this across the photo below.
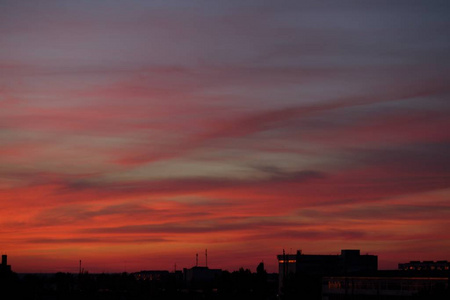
(206, 257)
(80, 267)
(196, 259)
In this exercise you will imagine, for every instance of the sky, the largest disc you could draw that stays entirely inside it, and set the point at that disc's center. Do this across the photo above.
(135, 134)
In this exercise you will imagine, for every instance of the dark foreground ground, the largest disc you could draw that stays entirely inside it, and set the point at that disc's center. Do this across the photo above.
(65, 286)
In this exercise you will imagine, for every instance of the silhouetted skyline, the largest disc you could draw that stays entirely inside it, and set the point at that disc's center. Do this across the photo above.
(348, 275)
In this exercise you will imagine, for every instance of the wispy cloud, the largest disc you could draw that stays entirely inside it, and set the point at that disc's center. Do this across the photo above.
(247, 127)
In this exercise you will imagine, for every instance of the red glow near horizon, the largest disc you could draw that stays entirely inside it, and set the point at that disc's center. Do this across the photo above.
(135, 135)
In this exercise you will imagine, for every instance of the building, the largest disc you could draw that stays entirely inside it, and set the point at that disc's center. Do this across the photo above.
(386, 285)
(200, 276)
(4, 267)
(348, 262)
(440, 265)
(152, 275)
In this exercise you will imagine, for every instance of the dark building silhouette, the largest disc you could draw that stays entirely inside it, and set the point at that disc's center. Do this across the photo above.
(349, 261)
(8, 279)
(307, 269)
(200, 276)
(152, 275)
(4, 267)
(440, 265)
(348, 275)
(395, 284)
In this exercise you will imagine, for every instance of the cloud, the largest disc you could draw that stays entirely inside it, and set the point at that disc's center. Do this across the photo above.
(94, 240)
(197, 227)
(189, 185)
(397, 212)
(316, 235)
(174, 125)
(83, 214)
(380, 211)
(418, 159)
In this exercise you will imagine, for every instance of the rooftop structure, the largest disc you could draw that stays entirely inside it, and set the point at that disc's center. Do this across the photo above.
(440, 265)
(200, 275)
(348, 262)
(4, 267)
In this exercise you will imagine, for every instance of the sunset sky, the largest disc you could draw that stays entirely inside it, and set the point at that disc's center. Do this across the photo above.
(135, 134)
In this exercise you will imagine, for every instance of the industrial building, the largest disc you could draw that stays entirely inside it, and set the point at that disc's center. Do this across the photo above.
(427, 265)
(386, 285)
(152, 275)
(200, 276)
(349, 261)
